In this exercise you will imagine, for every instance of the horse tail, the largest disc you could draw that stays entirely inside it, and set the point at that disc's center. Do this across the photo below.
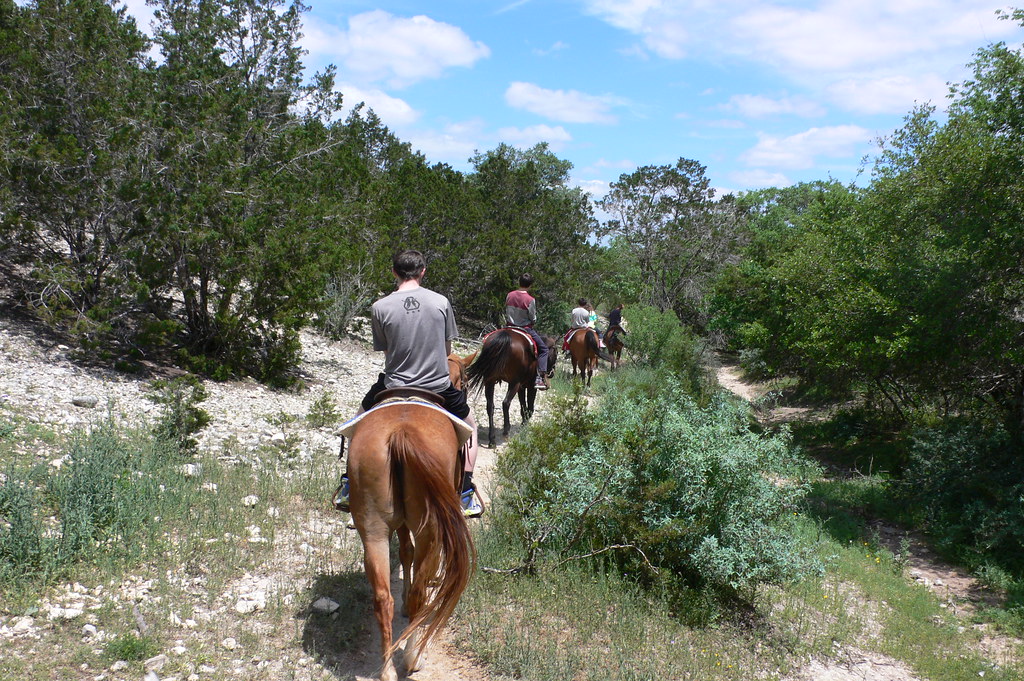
(595, 347)
(491, 360)
(411, 457)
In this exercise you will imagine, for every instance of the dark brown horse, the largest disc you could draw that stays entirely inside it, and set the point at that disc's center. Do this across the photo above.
(584, 349)
(507, 355)
(403, 474)
(613, 343)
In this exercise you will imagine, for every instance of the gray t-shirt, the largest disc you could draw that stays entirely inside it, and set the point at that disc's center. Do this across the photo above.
(413, 327)
(580, 317)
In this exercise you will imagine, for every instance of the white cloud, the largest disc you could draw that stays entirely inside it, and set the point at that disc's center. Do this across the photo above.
(891, 94)
(454, 145)
(558, 46)
(662, 25)
(556, 136)
(758, 106)
(622, 164)
(840, 35)
(756, 179)
(803, 149)
(596, 188)
(400, 51)
(394, 112)
(567, 106)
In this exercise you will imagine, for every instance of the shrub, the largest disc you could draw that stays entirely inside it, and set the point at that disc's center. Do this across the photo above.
(345, 298)
(104, 497)
(181, 417)
(967, 481)
(323, 412)
(658, 340)
(690, 491)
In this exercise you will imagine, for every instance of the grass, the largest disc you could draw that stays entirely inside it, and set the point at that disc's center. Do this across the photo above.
(578, 623)
(189, 556)
(587, 624)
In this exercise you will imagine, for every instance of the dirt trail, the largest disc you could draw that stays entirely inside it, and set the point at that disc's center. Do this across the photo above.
(959, 591)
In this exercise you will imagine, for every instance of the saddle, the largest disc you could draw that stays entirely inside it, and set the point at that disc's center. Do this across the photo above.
(516, 329)
(409, 393)
(569, 334)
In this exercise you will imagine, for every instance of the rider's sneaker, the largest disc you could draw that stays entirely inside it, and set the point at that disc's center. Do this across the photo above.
(340, 498)
(471, 506)
(541, 383)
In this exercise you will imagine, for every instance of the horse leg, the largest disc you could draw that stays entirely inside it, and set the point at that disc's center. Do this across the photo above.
(427, 565)
(513, 388)
(489, 394)
(378, 570)
(526, 396)
(405, 554)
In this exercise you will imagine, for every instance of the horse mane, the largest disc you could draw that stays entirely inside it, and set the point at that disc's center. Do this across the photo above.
(409, 452)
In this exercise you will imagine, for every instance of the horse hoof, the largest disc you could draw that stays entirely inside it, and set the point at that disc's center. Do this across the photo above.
(388, 673)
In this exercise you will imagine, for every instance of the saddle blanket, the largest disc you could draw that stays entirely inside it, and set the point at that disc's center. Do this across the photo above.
(515, 329)
(462, 429)
(568, 336)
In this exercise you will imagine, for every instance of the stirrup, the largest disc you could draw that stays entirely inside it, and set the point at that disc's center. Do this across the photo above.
(340, 496)
(472, 507)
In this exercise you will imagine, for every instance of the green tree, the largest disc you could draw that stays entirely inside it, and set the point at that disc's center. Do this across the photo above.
(236, 234)
(677, 234)
(74, 156)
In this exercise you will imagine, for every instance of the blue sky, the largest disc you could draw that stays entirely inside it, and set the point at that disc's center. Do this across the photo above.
(761, 93)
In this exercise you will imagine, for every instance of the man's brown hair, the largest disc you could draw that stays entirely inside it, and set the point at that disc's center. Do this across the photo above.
(409, 264)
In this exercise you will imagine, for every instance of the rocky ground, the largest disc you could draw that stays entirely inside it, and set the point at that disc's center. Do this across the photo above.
(234, 633)
(287, 617)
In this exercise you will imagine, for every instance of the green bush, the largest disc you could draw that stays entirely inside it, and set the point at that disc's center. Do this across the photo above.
(102, 499)
(690, 491)
(658, 340)
(967, 481)
(181, 417)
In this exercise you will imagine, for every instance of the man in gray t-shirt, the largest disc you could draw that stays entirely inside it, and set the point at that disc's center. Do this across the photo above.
(414, 328)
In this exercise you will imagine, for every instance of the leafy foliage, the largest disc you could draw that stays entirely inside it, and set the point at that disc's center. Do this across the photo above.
(687, 490)
(968, 484)
(181, 417)
(666, 218)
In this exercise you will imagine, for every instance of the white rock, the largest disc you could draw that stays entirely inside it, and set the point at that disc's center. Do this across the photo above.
(192, 470)
(250, 500)
(273, 511)
(229, 643)
(89, 630)
(119, 665)
(325, 605)
(22, 625)
(154, 663)
(247, 605)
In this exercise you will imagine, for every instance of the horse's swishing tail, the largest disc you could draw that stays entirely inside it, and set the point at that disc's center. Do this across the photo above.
(595, 346)
(492, 360)
(447, 577)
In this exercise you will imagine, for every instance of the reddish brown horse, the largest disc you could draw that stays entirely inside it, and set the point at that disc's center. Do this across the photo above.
(584, 349)
(508, 356)
(613, 343)
(403, 473)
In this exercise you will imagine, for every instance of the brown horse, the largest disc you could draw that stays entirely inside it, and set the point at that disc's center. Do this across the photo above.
(585, 351)
(403, 473)
(508, 356)
(613, 343)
